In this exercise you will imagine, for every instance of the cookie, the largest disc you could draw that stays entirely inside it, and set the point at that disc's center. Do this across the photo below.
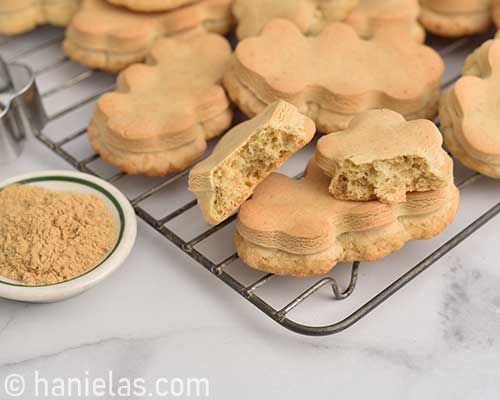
(381, 156)
(310, 16)
(245, 156)
(295, 227)
(151, 5)
(371, 16)
(18, 16)
(470, 112)
(496, 12)
(110, 38)
(455, 18)
(336, 75)
(162, 113)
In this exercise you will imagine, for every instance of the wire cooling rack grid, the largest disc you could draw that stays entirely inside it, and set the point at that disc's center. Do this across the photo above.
(69, 92)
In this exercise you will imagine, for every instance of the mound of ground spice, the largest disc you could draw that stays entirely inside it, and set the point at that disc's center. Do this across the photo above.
(48, 236)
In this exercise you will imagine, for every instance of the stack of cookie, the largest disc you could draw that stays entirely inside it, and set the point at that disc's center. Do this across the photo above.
(367, 17)
(159, 118)
(470, 112)
(369, 189)
(349, 74)
(112, 36)
(18, 16)
(357, 68)
(450, 18)
(456, 18)
(171, 17)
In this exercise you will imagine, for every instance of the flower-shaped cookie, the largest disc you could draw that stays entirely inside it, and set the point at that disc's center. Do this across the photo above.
(111, 38)
(470, 112)
(151, 5)
(370, 16)
(162, 113)
(310, 16)
(336, 75)
(17, 16)
(380, 156)
(292, 227)
(245, 156)
(454, 18)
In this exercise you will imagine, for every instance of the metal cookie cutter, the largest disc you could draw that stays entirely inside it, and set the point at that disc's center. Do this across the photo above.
(21, 109)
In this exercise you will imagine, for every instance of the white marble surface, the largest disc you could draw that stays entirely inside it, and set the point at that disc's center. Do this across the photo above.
(162, 315)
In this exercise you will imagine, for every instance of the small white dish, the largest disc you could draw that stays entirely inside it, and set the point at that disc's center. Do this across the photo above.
(123, 214)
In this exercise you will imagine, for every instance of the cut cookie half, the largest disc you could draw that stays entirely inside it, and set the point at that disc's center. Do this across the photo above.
(245, 156)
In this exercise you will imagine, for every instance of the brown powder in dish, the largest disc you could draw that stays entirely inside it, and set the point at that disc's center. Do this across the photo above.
(48, 236)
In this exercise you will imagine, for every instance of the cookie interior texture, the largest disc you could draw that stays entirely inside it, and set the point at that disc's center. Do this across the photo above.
(245, 156)
(236, 177)
(381, 156)
(386, 180)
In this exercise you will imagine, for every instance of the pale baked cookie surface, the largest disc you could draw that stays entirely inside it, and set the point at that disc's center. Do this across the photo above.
(110, 38)
(470, 112)
(310, 16)
(245, 156)
(151, 5)
(334, 76)
(454, 18)
(381, 156)
(496, 12)
(371, 16)
(17, 16)
(162, 113)
(295, 227)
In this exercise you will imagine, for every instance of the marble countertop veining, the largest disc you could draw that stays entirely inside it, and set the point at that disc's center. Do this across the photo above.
(162, 315)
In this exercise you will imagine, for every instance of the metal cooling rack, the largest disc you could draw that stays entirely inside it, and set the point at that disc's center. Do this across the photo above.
(45, 43)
